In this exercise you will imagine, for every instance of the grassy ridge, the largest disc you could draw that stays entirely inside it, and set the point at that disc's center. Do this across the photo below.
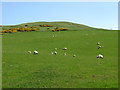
(24, 70)
(69, 25)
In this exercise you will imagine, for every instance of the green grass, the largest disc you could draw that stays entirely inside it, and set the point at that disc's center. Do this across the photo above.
(23, 70)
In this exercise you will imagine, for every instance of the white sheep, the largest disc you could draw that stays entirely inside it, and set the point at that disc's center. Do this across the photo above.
(100, 56)
(29, 51)
(65, 54)
(55, 53)
(51, 52)
(36, 52)
(74, 55)
(55, 48)
(64, 48)
(98, 43)
(100, 47)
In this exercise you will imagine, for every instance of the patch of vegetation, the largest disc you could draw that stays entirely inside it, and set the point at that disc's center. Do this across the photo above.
(24, 70)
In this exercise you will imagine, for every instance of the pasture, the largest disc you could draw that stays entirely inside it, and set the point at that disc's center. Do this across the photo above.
(23, 70)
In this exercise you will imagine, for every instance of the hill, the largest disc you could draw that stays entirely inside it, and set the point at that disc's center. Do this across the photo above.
(69, 25)
(46, 70)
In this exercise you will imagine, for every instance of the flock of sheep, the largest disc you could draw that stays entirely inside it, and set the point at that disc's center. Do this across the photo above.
(100, 55)
(55, 52)
(35, 52)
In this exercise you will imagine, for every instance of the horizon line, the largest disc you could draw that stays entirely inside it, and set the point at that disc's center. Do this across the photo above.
(59, 21)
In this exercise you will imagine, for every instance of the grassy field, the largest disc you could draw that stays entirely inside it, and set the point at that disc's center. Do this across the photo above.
(23, 70)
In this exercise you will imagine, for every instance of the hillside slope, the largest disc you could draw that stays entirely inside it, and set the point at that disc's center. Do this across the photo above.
(45, 70)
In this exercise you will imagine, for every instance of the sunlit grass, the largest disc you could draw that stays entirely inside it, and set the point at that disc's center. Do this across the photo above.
(23, 70)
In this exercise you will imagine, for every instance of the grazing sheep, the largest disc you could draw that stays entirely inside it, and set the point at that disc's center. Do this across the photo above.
(55, 53)
(51, 52)
(100, 56)
(29, 51)
(55, 48)
(100, 47)
(36, 52)
(98, 43)
(64, 48)
(74, 55)
(65, 54)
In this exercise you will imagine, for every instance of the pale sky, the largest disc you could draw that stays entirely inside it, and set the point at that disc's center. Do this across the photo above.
(95, 14)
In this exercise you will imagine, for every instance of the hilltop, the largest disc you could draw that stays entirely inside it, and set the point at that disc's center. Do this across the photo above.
(69, 25)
